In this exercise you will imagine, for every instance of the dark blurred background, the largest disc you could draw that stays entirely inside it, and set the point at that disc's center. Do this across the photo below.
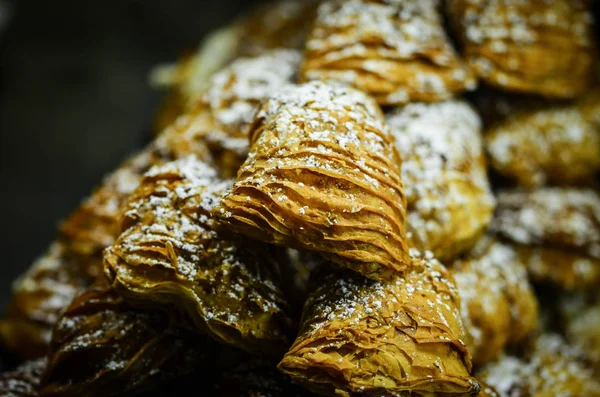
(75, 100)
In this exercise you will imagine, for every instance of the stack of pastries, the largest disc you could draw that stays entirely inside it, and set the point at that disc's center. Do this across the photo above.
(342, 201)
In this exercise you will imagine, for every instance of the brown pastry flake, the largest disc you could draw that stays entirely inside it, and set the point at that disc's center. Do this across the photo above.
(322, 175)
(391, 337)
(169, 257)
(450, 203)
(537, 47)
(395, 50)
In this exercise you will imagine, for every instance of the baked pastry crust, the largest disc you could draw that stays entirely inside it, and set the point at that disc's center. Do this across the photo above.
(24, 380)
(102, 347)
(397, 51)
(537, 47)
(498, 305)
(557, 230)
(550, 368)
(169, 257)
(322, 175)
(554, 145)
(395, 337)
(450, 203)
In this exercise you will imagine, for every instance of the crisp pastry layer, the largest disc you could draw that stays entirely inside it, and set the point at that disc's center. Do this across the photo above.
(551, 367)
(498, 305)
(557, 231)
(101, 347)
(395, 337)
(74, 261)
(322, 175)
(450, 203)
(395, 50)
(169, 257)
(553, 145)
(537, 47)
(24, 380)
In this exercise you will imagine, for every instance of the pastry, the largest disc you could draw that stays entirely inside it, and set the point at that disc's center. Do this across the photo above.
(498, 305)
(233, 95)
(450, 203)
(395, 337)
(554, 145)
(580, 314)
(169, 257)
(39, 296)
(101, 347)
(277, 24)
(322, 175)
(550, 368)
(74, 261)
(537, 47)
(24, 380)
(557, 231)
(395, 50)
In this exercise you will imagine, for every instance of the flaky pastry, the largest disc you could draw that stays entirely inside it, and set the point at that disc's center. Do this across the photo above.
(169, 257)
(554, 145)
(539, 47)
(395, 337)
(450, 203)
(24, 380)
(498, 305)
(557, 231)
(395, 50)
(101, 347)
(322, 175)
(551, 368)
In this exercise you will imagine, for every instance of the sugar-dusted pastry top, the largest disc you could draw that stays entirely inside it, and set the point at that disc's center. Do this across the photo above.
(24, 380)
(565, 218)
(450, 203)
(551, 367)
(169, 257)
(538, 47)
(498, 305)
(395, 50)
(546, 145)
(100, 346)
(322, 175)
(390, 337)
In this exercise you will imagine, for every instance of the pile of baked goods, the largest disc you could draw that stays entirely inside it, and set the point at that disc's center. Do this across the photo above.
(315, 216)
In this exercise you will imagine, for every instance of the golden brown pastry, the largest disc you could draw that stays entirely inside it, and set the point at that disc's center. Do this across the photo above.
(450, 203)
(233, 96)
(74, 261)
(101, 347)
(322, 175)
(39, 296)
(487, 390)
(169, 257)
(24, 380)
(498, 305)
(554, 145)
(557, 230)
(277, 24)
(395, 50)
(535, 46)
(551, 368)
(396, 337)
